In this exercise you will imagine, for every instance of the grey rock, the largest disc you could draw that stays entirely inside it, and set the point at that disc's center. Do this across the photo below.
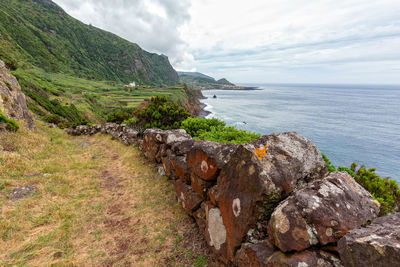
(377, 244)
(321, 213)
(22, 192)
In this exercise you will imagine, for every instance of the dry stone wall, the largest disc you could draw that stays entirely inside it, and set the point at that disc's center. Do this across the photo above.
(269, 202)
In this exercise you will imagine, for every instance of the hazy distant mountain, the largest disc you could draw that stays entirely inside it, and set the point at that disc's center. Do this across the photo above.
(195, 74)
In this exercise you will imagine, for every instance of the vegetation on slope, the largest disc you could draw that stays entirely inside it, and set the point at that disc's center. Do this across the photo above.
(11, 125)
(42, 34)
(384, 190)
(96, 203)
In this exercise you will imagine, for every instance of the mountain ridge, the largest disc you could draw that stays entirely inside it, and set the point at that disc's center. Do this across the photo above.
(40, 33)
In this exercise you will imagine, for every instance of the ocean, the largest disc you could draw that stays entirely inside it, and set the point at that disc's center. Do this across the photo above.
(348, 123)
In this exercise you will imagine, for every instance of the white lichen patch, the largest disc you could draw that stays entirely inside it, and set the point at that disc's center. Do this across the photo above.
(182, 199)
(158, 137)
(204, 166)
(171, 138)
(312, 237)
(334, 223)
(329, 232)
(302, 264)
(216, 228)
(236, 207)
(315, 203)
(282, 223)
(252, 170)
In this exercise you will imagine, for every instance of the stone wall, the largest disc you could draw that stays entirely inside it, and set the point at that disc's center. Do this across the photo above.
(270, 202)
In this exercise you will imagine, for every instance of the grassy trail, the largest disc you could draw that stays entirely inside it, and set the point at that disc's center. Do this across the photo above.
(96, 203)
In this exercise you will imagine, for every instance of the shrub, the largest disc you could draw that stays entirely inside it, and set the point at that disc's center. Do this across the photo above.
(384, 190)
(215, 130)
(198, 126)
(12, 125)
(160, 113)
(118, 116)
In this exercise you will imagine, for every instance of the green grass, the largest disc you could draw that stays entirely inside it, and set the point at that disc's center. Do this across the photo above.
(88, 202)
(77, 100)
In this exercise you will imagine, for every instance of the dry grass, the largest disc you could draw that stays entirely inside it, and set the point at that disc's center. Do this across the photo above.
(95, 205)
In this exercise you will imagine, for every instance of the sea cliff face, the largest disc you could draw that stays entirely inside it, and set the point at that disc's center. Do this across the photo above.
(12, 99)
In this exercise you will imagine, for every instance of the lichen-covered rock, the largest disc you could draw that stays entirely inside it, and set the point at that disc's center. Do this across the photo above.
(12, 99)
(199, 185)
(176, 167)
(264, 254)
(206, 158)
(126, 134)
(377, 244)
(321, 213)
(154, 137)
(200, 217)
(190, 200)
(254, 255)
(258, 176)
(307, 258)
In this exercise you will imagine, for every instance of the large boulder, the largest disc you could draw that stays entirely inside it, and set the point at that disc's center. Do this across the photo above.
(377, 244)
(258, 176)
(321, 213)
(12, 99)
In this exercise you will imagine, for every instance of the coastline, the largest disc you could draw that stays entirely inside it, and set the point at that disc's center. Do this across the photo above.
(203, 112)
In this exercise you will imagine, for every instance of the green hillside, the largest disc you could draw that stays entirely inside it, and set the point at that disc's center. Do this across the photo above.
(40, 33)
(204, 82)
(73, 73)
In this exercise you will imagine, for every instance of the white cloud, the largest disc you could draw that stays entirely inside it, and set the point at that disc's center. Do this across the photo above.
(261, 40)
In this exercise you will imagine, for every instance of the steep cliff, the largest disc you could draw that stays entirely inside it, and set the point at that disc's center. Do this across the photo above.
(12, 99)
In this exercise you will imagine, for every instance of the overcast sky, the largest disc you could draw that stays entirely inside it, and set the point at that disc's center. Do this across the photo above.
(294, 41)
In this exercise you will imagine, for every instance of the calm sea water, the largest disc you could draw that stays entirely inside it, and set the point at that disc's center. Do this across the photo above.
(348, 123)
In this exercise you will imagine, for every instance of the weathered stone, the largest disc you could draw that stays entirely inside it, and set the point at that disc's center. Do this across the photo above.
(153, 138)
(254, 255)
(206, 158)
(178, 167)
(258, 176)
(12, 99)
(182, 148)
(199, 185)
(377, 244)
(190, 200)
(321, 213)
(308, 258)
(22, 192)
(200, 217)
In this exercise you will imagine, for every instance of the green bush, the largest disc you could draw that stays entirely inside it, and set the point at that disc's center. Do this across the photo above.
(384, 190)
(215, 130)
(118, 116)
(12, 125)
(198, 126)
(160, 113)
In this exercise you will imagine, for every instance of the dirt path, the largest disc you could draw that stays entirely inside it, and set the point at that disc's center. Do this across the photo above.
(96, 203)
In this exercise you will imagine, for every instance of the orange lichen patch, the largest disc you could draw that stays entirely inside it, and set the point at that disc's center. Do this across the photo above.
(261, 153)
